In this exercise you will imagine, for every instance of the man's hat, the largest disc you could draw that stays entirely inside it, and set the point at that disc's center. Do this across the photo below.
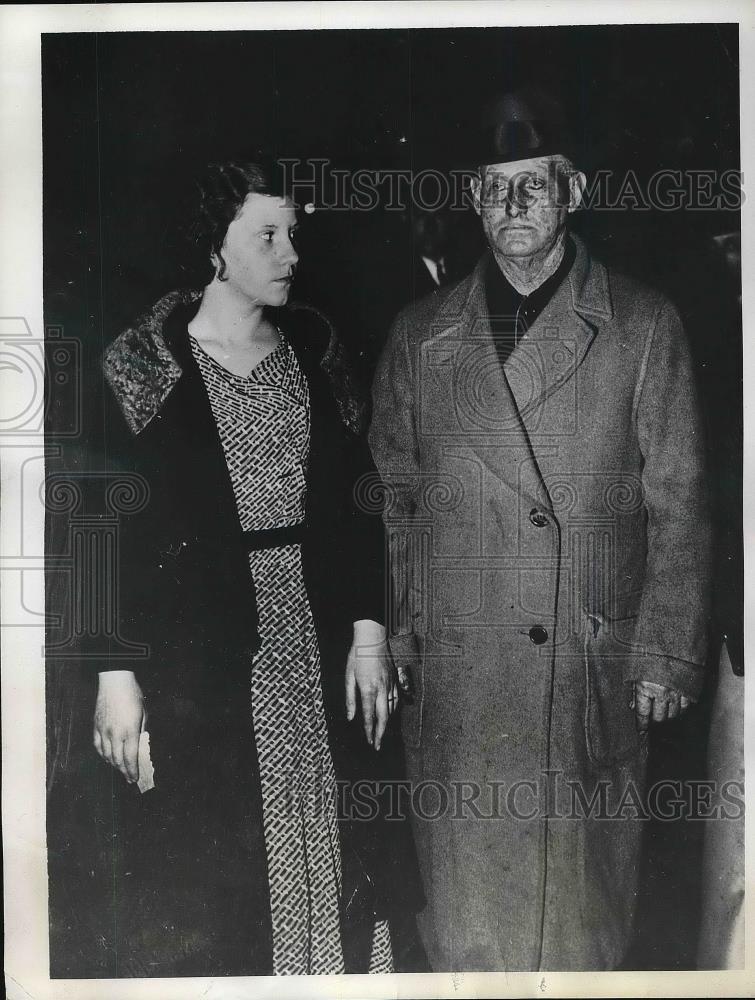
(521, 125)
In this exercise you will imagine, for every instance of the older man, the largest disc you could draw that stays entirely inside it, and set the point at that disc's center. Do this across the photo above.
(537, 427)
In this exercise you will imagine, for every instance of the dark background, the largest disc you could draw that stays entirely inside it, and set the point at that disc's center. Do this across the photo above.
(129, 119)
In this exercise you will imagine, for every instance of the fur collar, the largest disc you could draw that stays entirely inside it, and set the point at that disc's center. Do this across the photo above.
(141, 368)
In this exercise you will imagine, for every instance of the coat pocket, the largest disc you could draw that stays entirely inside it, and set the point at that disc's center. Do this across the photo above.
(611, 733)
(412, 707)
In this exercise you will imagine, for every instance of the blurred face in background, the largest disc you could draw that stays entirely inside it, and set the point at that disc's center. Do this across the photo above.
(430, 231)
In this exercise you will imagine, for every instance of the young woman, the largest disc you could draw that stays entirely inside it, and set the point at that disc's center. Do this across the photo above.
(255, 585)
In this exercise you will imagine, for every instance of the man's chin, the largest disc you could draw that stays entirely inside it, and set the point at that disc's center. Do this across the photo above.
(514, 245)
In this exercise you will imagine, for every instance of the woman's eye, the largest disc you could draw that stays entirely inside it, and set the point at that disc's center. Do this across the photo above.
(267, 237)
(535, 184)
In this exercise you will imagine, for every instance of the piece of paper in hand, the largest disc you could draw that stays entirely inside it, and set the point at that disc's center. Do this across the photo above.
(146, 770)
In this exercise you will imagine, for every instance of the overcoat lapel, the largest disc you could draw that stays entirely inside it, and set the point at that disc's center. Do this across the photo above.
(556, 344)
(506, 423)
(488, 417)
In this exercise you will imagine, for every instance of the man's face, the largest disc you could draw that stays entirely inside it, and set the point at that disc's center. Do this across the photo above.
(523, 205)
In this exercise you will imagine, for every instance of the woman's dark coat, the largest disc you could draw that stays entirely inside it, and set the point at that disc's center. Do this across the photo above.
(190, 891)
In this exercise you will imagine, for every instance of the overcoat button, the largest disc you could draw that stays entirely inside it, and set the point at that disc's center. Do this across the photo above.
(538, 635)
(538, 518)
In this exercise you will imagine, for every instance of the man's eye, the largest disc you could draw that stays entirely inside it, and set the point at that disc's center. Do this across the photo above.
(267, 237)
(535, 184)
(293, 235)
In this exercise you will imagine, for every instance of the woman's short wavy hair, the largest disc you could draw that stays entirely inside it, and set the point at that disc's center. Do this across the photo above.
(220, 193)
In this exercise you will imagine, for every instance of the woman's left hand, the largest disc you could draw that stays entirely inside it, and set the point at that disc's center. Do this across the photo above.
(370, 671)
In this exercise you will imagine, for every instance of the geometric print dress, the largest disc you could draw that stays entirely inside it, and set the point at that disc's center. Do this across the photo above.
(264, 426)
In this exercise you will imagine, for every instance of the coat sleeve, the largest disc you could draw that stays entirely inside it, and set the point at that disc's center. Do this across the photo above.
(365, 592)
(394, 443)
(113, 603)
(674, 615)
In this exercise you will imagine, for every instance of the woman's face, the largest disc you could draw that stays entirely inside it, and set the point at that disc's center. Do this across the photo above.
(259, 249)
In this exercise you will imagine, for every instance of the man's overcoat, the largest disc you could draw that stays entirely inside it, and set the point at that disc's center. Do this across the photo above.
(550, 545)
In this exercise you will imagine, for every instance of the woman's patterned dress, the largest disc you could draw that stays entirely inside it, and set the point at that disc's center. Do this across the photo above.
(263, 422)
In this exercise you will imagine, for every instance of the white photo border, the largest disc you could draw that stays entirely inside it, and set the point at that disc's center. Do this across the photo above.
(22, 470)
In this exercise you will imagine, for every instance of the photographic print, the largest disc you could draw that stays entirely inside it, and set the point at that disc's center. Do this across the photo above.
(390, 405)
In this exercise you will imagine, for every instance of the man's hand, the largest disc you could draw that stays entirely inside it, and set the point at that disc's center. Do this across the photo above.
(118, 718)
(369, 670)
(657, 702)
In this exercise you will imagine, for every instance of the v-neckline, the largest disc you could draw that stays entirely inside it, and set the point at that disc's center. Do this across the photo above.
(234, 375)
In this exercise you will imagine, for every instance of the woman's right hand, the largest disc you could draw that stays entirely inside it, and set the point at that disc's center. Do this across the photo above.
(118, 716)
